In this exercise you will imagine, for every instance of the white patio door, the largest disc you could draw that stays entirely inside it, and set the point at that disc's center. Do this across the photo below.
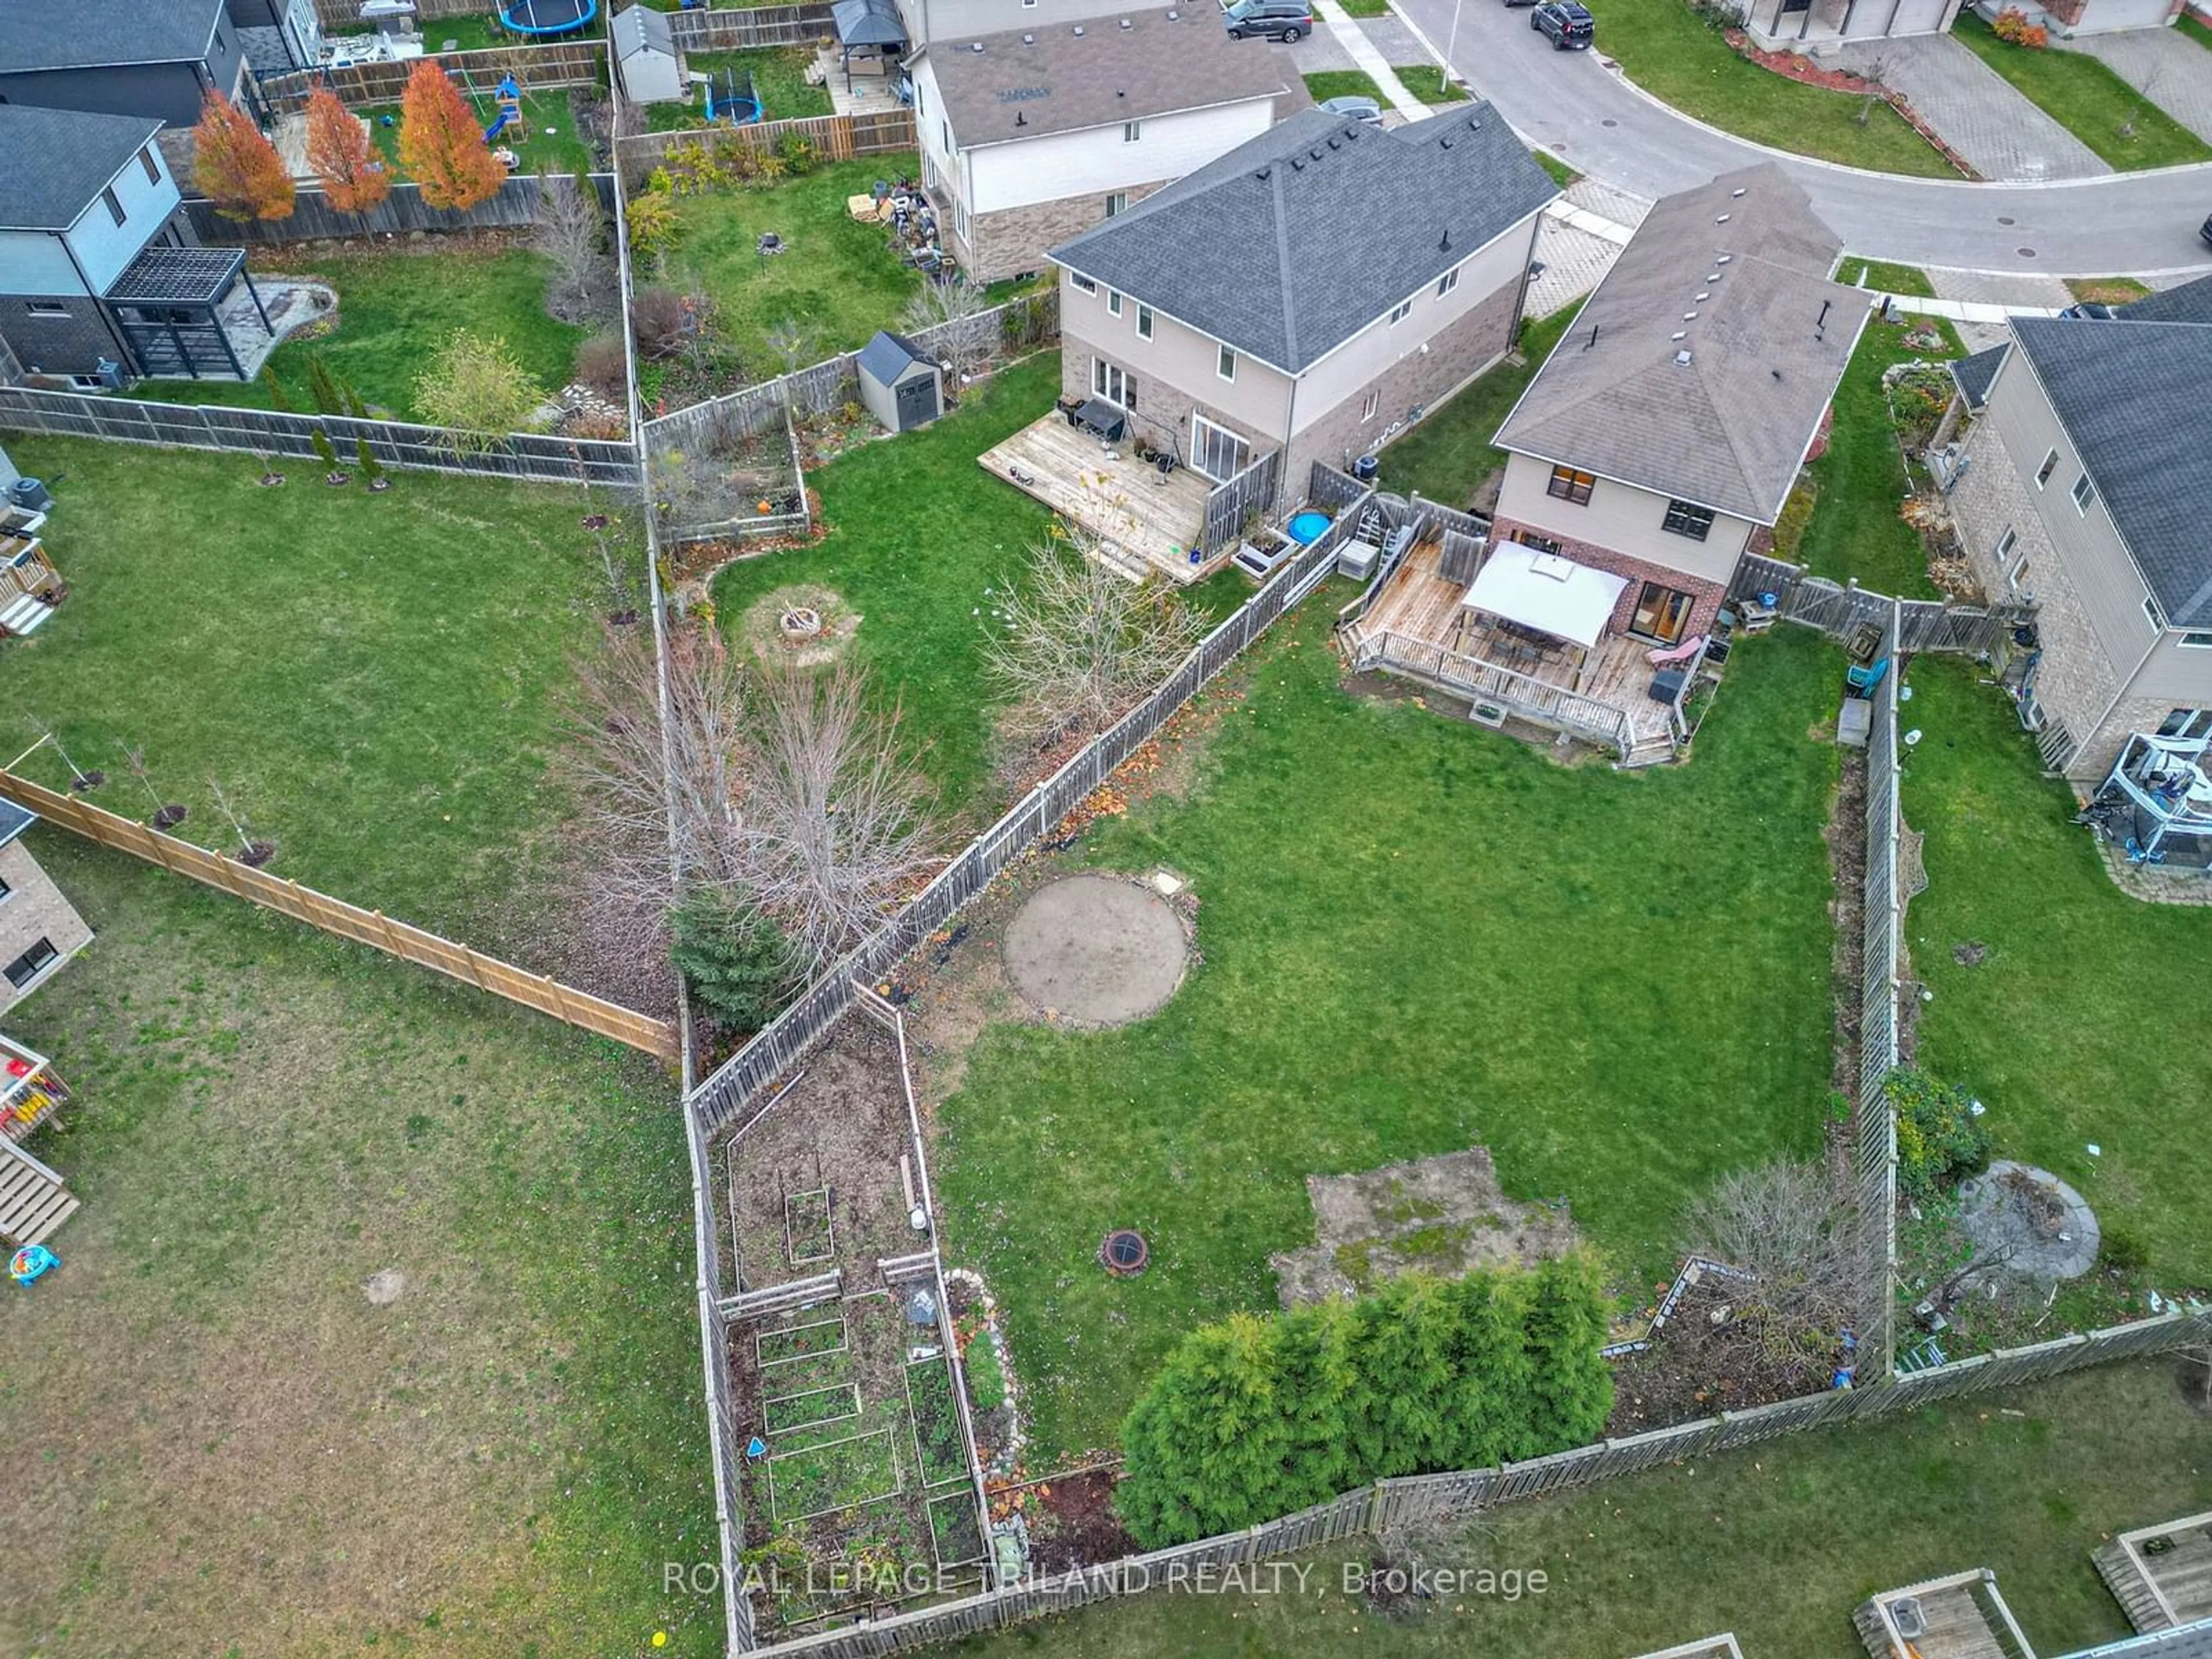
(1216, 450)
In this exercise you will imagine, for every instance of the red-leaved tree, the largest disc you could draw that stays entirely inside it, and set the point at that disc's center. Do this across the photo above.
(441, 145)
(235, 167)
(354, 178)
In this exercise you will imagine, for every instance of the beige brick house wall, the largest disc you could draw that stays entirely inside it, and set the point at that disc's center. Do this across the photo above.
(33, 908)
(1015, 240)
(2076, 679)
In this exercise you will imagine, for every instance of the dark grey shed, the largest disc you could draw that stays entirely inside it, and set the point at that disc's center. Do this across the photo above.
(900, 384)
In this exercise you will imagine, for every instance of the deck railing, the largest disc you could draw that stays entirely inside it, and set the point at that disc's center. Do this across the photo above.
(1487, 682)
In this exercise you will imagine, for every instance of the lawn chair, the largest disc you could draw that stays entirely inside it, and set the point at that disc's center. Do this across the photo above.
(1666, 657)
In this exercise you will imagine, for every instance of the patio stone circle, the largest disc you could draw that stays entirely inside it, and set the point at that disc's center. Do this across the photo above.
(1094, 949)
(2039, 1227)
(804, 625)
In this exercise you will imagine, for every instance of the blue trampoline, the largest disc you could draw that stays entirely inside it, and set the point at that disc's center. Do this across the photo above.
(548, 16)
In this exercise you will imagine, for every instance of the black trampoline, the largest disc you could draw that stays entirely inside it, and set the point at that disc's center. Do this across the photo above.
(548, 16)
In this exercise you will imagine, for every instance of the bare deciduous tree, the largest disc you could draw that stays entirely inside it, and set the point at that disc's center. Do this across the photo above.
(571, 235)
(1785, 1224)
(655, 807)
(788, 341)
(952, 313)
(838, 821)
(1874, 71)
(1077, 643)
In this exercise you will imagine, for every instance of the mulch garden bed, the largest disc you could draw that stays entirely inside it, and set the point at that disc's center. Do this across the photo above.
(1072, 1524)
(1695, 1369)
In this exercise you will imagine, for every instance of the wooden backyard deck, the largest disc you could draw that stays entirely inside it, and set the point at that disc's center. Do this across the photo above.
(1153, 521)
(1713, 1647)
(1418, 605)
(1960, 1617)
(2161, 1575)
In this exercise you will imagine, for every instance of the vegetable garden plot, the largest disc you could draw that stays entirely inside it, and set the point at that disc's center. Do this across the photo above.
(809, 1234)
(806, 1372)
(834, 1475)
(942, 1457)
(801, 1411)
(800, 1341)
(953, 1533)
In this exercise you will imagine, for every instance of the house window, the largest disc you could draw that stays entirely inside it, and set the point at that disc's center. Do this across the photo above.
(46, 308)
(1372, 405)
(2196, 642)
(218, 47)
(2083, 493)
(947, 126)
(2150, 609)
(1112, 382)
(6, 891)
(1117, 203)
(1400, 311)
(1216, 450)
(2005, 545)
(107, 199)
(1447, 283)
(1687, 519)
(1224, 363)
(152, 168)
(2050, 465)
(1131, 131)
(2187, 723)
(1541, 544)
(1144, 322)
(1114, 302)
(1661, 613)
(1570, 485)
(32, 962)
(2019, 577)
(1081, 284)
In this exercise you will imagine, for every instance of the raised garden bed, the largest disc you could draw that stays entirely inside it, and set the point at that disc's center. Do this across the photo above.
(833, 1475)
(936, 1439)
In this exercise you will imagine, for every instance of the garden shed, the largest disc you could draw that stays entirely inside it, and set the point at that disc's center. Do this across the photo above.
(646, 57)
(902, 385)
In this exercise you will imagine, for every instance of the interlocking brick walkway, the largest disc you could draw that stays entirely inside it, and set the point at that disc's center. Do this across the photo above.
(2001, 134)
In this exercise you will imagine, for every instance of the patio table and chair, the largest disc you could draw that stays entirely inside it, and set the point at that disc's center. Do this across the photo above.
(1530, 611)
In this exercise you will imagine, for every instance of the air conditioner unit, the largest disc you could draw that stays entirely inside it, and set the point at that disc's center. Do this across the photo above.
(1491, 714)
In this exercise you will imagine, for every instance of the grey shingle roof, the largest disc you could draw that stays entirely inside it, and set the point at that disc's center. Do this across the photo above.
(643, 29)
(2189, 1640)
(1737, 268)
(2131, 398)
(2192, 302)
(1293, 242)
(54, 161)
(1972, 375)
(888, 355)
(1062, 78)
(49, 34)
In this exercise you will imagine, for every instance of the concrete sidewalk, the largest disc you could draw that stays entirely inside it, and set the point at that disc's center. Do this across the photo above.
(1345, 28)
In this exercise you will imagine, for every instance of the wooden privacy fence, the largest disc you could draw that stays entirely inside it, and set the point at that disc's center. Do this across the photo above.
(513, 204)
(1443, 1497)
(1252, 494)
(578, 62)
(1922, 626)
(728, 1097)
(838, 137)
(348, 921)
(343, 16)
(1875, 1157)
(742, 28)
(534, 456)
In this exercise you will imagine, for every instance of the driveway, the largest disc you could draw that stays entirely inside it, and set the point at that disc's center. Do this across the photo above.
(1979, 114)
(1573, 105)
(2165, 65)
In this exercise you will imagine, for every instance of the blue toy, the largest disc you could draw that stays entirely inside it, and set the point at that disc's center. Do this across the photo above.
(755, 1447)
(510, 109)
(31, 1263)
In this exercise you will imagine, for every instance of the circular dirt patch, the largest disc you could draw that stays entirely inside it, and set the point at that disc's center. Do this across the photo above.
(1094, 949)
(2028, 1222)
(805, 625)
(383, 1288)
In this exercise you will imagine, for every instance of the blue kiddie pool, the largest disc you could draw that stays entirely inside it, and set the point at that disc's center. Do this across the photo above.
(1306, 528)
(548, 16)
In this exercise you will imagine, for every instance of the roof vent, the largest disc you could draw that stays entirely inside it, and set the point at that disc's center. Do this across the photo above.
(1078, 30)
(1175, 17)
(978, 47)
(1029, 40)
(1702, 298)
(1125, 22)
(1722, 220)
(1722, 260)
(1296, 165)
(1332, 140)
(1678, 335)
(1443, 243)
(1715, 278)
(1444, 143)
(1315, 152)
(1263, 174)
(1733, 195)
(1689, 316)
(1682, 359)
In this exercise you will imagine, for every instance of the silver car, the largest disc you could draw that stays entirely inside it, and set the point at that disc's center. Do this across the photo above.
(1356, 109)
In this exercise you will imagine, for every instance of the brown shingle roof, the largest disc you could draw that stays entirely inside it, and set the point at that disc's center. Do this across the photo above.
(1062, 78)
(1767, 343)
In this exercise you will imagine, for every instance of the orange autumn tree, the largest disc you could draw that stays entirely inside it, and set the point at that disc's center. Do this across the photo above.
(441, 145)
(354, 178)
(235, 167)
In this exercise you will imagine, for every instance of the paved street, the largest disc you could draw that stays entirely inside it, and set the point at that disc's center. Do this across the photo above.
(2166, 63)
(1977, 112)
(1572, 105)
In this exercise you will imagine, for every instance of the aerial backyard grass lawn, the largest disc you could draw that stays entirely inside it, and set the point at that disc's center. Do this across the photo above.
(777, 75)
(1417, 936)
(2060, 1026)
(374, 681)
(1777, 1544)
(836, 278)
(395, 312)
(1674, 54)
(221, 1441)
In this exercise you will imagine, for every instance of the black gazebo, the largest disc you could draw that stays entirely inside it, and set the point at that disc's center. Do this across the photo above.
(168, 304)
(870, 28)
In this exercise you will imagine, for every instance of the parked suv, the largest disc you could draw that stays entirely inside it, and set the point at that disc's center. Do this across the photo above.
(1568, 22)
(1276, 19)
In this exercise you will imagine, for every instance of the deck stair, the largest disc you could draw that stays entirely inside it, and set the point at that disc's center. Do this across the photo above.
(33, 1199)
(23, 614)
